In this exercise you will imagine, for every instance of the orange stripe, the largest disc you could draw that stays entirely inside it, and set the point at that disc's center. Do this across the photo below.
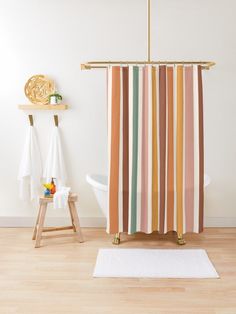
(170, 157)
(154, 153)
(179, 150)
(114, 156)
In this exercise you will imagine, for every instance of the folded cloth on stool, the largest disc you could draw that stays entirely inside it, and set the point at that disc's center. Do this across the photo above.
(60, 198)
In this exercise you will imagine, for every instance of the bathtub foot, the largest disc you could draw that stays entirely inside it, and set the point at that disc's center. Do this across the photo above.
(181, 240)
(116, 239)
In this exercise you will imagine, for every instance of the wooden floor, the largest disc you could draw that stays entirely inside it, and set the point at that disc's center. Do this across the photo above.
(57, 278)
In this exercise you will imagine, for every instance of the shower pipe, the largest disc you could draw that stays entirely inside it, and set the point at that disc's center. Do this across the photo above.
(206, 65)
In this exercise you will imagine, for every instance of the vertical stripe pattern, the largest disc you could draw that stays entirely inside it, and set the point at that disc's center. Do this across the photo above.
(125, 130)
(201, 149)
(189, 149)
(154, 153)
(155, 149)
(162, 142)
(134, 162)
(144, 182)
(170, 155)
(179, 149)
(114, 152)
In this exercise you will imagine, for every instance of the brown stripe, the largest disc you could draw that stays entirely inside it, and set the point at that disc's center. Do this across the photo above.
(154, 153)
(114, 156)
(125, 147)
(170, 157)
(179, 150)
(162, 141)
(201, 150)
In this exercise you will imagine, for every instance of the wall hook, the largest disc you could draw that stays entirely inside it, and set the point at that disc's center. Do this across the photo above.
(56, 120)
(31, 120)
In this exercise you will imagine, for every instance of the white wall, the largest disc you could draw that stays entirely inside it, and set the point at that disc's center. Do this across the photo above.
(53, 37)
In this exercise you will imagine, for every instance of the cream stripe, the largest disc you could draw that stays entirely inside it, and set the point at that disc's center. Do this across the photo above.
(149, 214)
(109, 73)
(175, 128)
(196, 149)
(130, 139)
(120, 205)
(140, 99)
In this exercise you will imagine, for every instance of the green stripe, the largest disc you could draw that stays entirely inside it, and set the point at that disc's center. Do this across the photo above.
(135, 150)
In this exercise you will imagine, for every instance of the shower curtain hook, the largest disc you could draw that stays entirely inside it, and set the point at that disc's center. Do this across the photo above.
(31, 120)
(56, 120)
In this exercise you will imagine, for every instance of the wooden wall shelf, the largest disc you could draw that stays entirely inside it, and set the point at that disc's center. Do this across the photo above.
(43, 107)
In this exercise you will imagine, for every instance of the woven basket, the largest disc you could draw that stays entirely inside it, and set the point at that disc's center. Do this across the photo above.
(38, 88)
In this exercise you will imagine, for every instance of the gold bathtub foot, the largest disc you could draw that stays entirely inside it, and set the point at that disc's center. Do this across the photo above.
(116, 239)
(181, 240)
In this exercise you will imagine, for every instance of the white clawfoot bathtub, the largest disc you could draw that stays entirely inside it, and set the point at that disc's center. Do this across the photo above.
(99, 184)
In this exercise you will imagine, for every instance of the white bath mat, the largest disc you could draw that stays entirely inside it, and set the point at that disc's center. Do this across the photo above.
(154, 263)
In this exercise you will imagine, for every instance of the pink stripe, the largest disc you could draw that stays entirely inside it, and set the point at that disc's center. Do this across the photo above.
(144, 166)
(189, 150)
(162, 143)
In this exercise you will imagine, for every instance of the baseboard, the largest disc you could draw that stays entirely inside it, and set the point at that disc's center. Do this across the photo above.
(97, 222)
(220, 222)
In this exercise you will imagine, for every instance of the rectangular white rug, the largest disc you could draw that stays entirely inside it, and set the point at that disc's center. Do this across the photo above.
(154, 263)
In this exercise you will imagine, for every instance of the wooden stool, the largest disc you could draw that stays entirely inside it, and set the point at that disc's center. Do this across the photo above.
(39, 229)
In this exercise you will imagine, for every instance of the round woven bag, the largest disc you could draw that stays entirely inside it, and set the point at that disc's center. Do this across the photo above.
(38, 89)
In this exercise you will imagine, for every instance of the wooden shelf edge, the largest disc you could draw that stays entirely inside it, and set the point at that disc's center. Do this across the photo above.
(43, 107)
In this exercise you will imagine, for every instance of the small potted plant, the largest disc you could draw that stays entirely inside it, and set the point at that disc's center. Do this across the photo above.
(55, 98)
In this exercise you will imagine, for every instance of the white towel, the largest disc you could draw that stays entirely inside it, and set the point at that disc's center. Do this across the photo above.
(60, 198)
(55, 166)
(30, 171)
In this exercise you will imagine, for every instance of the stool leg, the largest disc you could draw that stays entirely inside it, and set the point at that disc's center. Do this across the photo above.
(76, 221)
(36, 224)
(40, 224)
(71, 216)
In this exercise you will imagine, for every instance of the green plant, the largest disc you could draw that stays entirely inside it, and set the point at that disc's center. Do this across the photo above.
(58, 96)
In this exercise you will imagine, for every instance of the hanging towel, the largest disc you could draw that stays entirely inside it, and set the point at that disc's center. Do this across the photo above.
(155, 149)
(60, 198)
(30, 171)
(55, 166)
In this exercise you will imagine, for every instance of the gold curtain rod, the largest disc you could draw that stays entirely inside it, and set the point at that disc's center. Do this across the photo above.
(104, 64)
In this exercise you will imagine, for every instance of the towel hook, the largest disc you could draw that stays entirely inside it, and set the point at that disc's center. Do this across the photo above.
(56, 120)
(31, 120)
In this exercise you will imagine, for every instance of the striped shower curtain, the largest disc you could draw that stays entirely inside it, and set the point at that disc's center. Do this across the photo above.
(155, 149)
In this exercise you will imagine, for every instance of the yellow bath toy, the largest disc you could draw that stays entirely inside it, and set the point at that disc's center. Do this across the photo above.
(48, 186)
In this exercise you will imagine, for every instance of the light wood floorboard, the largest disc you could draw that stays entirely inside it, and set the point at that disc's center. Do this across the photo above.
(57, 278)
